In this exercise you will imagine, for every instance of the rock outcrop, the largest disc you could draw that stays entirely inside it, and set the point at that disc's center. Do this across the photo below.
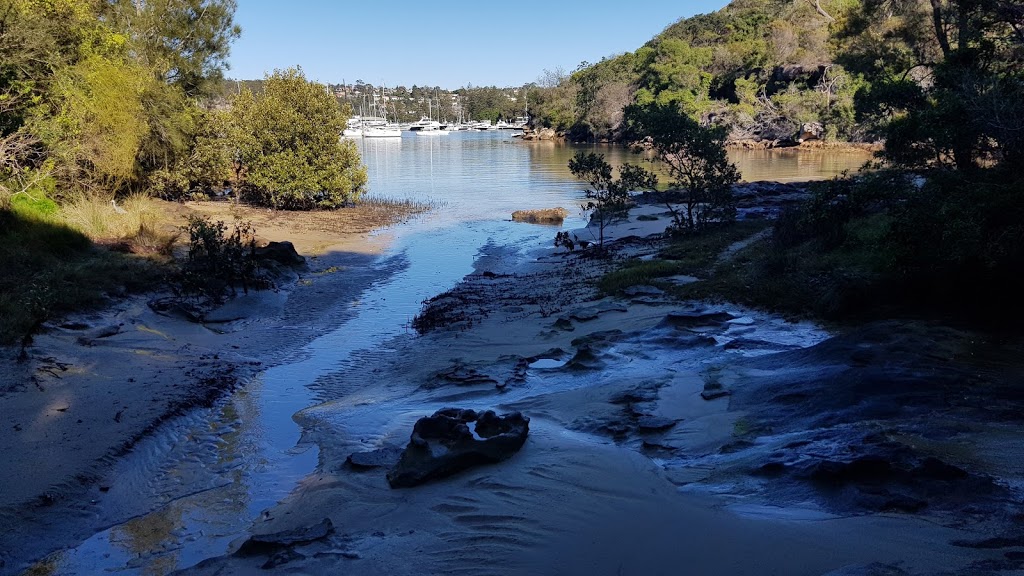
(280, 252)
(453, 440)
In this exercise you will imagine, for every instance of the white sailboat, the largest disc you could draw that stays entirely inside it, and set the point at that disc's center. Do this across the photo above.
(429, 127)
(372, 126)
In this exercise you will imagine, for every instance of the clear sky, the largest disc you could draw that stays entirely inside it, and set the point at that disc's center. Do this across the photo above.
(443, 43)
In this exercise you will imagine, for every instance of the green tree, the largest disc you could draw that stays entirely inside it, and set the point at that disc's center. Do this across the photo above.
(608, 197)
(289, 150)
(185, 42)
(948, 80)
(694, 157)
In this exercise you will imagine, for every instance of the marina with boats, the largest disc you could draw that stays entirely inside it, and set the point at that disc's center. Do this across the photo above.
(377, 127)
(374, 122)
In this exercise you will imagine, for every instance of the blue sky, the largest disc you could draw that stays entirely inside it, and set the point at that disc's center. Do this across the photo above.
(442, 42)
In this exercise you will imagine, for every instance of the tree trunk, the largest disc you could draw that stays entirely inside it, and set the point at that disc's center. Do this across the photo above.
(940, 29)
(821, 11)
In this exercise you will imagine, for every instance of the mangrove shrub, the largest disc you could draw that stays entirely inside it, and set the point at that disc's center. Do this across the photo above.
(289, 147)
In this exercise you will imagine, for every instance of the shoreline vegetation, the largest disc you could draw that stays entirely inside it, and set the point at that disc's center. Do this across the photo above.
(89, 255)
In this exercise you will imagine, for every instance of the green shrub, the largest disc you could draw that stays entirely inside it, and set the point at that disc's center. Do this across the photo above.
(219, 260)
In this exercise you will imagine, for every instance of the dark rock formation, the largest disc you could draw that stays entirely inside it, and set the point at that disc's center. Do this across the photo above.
(461, 374)
(647, 423)
(277, 541)
(697, 320)
(453, 440)
(381, 458)
(280, 252)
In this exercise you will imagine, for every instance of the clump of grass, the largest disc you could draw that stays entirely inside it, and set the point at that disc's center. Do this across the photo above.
(695, 253)
(400, 204)
(692, 254)
(101, 218)
(637, 272)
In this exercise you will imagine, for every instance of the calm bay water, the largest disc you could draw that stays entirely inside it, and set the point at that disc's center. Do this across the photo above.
(487, 175)
(478, 180)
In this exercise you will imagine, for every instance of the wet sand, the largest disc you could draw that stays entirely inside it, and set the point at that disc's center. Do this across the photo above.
(595, 492)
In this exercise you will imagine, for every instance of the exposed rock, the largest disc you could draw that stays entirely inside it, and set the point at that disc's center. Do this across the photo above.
(697, 320)
(453, 439)
(270, 543)
(791, 72)
(810, 131)
(584, 359)
(463, 375)
(584, 315)
(633, 395)
(597, 337)
(564, 323)
(542, 134)
(545, 216)
(714, 393)
(382, 457)
(863, 469)
(98, 334)
(176, 308)
(280, 252)
(654, 423)
(281, 558)
(643, 290)
(935, 469)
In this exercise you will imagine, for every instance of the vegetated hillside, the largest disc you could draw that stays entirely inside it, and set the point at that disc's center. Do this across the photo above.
(765, 68)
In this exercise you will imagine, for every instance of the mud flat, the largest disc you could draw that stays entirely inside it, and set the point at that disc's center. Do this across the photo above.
(665, 437)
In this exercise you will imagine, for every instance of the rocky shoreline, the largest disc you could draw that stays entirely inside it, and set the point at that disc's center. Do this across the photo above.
(808, 143)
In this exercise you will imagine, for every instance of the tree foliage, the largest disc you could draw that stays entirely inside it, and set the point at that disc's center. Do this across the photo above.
(607, 197)
(101, 95)
(288, 147)
(694, 157)
(759, 68)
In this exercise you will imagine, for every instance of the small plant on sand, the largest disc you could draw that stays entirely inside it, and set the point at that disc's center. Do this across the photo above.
(607, 197)
(219, 260)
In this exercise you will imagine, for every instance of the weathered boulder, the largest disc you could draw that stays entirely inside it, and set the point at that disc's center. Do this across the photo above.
(545, 216)
(269, 543)
(810, 131)
(542, 134)
(280, 252)
(453, 439)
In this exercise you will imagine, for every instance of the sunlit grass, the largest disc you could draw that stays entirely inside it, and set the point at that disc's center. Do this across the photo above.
(101, 218)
